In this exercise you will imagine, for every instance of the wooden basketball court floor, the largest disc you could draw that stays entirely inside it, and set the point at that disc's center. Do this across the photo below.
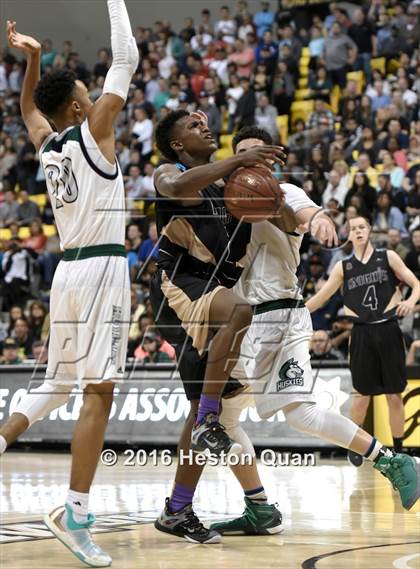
(336, 516)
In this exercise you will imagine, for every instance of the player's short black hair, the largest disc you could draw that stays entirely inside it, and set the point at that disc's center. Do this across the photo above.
(164, 131)
(251, 132)
(53, 90)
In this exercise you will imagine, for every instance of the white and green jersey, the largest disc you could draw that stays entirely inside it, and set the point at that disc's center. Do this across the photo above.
(86, 191)
(272, 257)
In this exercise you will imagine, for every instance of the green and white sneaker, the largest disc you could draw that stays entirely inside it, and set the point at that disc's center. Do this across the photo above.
(76, 537)
(404, 473)
(257, 519)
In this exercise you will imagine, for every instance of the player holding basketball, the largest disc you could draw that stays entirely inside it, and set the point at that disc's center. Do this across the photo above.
(89, 303)
(197, 265)
(275, 354)
(191, 296)
(369, 280)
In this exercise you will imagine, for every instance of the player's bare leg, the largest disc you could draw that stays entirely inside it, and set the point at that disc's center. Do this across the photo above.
(358, 410)
(15, 425)
(71, 523)
(88, 436)
(396, 419)
(231, 317)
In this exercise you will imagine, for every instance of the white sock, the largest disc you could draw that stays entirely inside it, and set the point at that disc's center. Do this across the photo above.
(3, 444)
(258, 495)
(79, 504)
(376, 450)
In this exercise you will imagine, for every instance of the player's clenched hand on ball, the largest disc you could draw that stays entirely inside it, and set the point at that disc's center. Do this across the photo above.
(262, 155)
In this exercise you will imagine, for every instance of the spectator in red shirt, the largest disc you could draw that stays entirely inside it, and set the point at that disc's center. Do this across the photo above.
(37, 239)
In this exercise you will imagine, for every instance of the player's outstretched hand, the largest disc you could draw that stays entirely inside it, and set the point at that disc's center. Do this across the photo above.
(405, 307)
(323, 229)
(266, 155)
(26, 44)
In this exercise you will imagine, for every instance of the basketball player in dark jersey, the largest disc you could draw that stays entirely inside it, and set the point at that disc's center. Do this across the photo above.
(369, 281)
(198, 262)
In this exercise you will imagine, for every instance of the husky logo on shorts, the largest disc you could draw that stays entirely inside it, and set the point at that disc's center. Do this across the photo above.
(290, 374)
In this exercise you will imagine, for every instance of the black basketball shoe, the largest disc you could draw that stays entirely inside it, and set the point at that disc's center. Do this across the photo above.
(186, 524)
(210, 437)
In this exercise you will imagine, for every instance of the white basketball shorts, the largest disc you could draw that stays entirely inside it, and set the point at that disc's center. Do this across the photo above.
(275, 358)
(90, 318)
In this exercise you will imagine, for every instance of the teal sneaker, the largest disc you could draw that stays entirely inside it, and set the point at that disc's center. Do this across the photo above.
(257, 519)
(76, 537)
(404, 473)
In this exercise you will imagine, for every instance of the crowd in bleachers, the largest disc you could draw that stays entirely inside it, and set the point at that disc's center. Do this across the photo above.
(338, 87)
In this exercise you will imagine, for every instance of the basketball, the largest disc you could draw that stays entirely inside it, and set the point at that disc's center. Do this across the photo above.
(253, 194)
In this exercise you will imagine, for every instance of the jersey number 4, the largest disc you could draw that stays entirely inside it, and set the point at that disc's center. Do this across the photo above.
(370, 299)
(62, 182)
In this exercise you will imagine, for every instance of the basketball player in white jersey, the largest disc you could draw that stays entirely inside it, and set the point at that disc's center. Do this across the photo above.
(90, 295)
(276, 360)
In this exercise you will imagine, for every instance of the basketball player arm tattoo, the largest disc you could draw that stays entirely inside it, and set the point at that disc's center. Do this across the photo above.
(408, 277)
(333, 283)
(173, 183)
(37, 125)
(125, 60)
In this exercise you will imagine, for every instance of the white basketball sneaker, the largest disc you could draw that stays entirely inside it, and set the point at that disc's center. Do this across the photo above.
(76, 537)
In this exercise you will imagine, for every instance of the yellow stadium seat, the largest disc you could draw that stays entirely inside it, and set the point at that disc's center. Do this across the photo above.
(40, 200)
(225, 122)
(49, 230)
(392, 66)
(138, 204)
(24, 233)
(154, 159)
(226, 141)
(304, 61)
(301, 110)
(303, 71)
(283, 126)
(302, 94)
(303, 82)
(151, 211)
(359, 78)
(306, 52)
(5, 234)
(413, 163)
(378, 63)
(335, 98)
(223, 153)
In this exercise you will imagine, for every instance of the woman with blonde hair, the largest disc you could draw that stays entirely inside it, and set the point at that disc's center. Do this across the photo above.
(343, 169)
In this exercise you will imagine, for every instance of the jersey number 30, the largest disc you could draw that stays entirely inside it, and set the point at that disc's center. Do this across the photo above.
(370, 299)
(62, 182)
